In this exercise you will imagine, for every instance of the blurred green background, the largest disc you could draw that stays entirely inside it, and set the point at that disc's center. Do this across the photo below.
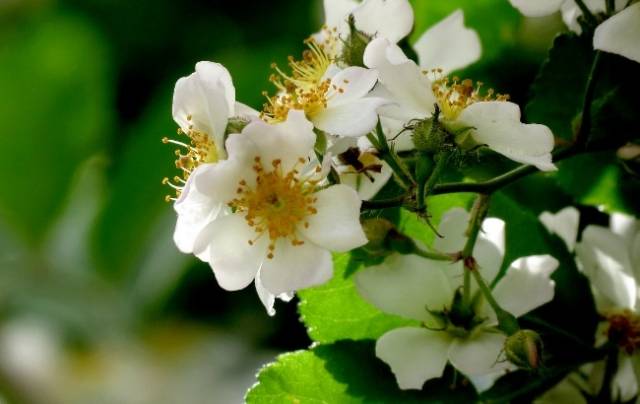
(96, 304)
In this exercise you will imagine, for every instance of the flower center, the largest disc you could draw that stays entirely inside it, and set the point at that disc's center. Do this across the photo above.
(199, 149)
(277, 204)
(454, 95)
(303, 89)
(624, 330)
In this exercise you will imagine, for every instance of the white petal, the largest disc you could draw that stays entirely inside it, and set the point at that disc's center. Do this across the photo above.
(402, 78)
(564, 392)
(287, 141)
(526, 285)
(605, 261)
(354, 118)
(448, 45)
(479, 355)
(620, 34)
(351, 84)
(564, 223)
(406, 285)
(195, 210)
(267, 298)
(537, 8)
(336, 12)
(367, 187)
(624, 226)
(391, 19)
(204, 100)
(218, 181)
(415, 355)
(296, 267)
(571, 12)
(497, 124)
(234, 261)
(624, 385)
(484, 382)
(489, 249)
(245, 111)
(336, 226)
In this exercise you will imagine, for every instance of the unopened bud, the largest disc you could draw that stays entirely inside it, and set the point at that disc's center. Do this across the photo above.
(235, 125)
(377, 231)
(524, 349)
(429, 136)
(354, 46)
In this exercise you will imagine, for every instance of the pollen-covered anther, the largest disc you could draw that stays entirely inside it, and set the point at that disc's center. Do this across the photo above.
(453, 95)
(303, 89)
(197, 150)
(278, 204)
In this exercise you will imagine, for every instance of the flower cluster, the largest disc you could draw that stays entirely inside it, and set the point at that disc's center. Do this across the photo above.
(266, 196)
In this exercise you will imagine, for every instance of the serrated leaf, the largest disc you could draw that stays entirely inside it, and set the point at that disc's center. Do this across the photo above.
(345, 372)
(558, 89)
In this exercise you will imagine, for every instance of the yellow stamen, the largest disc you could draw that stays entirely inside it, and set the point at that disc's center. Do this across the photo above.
(277, 204)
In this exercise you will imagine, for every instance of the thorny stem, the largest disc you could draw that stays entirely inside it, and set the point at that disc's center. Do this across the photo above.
(384, 203)
(478, 213)
(506, 321)
(424, 190)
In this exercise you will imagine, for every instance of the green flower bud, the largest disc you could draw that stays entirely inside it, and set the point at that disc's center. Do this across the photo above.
(524, 349)
(429, 136)
(235, 125)
(354, 45)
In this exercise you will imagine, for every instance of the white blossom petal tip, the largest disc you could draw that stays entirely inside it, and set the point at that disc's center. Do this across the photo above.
(620, 34)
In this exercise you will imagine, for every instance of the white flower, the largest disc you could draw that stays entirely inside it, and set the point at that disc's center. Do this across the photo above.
(610, 259)
(619, 34)
(271, 218)
(417, 288)
(492, 122)
(335, 100)
(203, 102)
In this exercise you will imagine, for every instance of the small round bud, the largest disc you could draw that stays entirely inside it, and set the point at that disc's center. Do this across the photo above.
(429, 136)
(524, 349)
(354, 46)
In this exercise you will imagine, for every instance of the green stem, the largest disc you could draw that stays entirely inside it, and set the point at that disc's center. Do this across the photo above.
(604, 396)
(478, 213)
(507, 322)
(379, 141)
(435, 255)
(610, 6)
(384, 203)
(582, 137)
(588, 15)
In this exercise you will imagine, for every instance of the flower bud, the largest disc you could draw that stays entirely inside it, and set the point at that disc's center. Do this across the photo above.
(524, 349)
(354, 45)
(235, 125)
(377, 231)
(429, 136)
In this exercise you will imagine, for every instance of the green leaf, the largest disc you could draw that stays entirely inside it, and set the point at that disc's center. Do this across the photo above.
(345, 372)
(597, 179)
(558, 89)
(56, 85)
(336, 311)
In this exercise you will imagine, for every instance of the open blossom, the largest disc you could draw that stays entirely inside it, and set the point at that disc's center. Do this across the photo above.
(336, 100)
(619, 34)
(610, 259)
(272, 217)
(467, 114)
(424, 290)
(203, 102)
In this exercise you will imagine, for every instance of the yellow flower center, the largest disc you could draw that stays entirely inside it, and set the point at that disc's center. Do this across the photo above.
(199, 149)
(277, 204)
(455, 95)
(303, 89)
(624, 330)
